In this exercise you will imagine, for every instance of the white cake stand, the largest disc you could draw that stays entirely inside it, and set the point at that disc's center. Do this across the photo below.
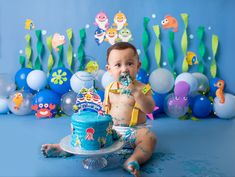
(94, 159)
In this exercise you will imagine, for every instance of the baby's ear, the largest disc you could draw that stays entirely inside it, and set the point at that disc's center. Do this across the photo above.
(107, 67)
(139, 65)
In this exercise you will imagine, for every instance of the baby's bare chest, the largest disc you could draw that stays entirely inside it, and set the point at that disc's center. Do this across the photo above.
(121, 99)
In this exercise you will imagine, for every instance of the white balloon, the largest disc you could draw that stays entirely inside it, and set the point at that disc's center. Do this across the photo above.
(98, 79)
(37, 80)
(190, 79)
(203, 82)
(7, 85)
(161, 80)
(3, 106)
(81, 79)
(107, 79)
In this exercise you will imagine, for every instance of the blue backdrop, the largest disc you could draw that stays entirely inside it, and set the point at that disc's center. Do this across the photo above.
(59, 15)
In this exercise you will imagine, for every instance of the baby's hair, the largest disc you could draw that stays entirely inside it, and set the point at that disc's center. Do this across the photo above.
(121, 46)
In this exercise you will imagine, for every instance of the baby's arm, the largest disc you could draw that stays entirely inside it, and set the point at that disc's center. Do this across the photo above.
(145, 101)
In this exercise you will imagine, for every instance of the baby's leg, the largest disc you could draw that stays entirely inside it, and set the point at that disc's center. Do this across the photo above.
(145, 141)
(54, 150)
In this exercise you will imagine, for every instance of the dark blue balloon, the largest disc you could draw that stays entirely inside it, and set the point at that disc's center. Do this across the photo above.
(20, 79)
(159, 102)
(59, 80)
(46, 100)
(142, 76)
(101, 94)
(213, 88)
(201, 106)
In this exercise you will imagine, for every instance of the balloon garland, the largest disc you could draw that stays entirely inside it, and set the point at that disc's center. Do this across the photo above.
(184, 42)
(157, 50)
(202, 48)
(145, 42)
(213, 67)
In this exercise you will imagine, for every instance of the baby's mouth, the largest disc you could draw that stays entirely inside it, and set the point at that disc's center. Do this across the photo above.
(125, 78)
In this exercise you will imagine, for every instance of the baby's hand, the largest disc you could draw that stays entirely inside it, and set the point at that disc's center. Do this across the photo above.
(125, 79)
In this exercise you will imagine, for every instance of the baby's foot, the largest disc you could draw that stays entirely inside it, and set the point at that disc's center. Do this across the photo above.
(133, 167)
(54, 150)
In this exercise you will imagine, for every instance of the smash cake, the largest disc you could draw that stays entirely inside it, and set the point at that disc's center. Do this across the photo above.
(91, 128)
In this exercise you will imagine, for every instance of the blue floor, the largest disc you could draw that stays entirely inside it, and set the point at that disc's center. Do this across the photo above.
(185, 148)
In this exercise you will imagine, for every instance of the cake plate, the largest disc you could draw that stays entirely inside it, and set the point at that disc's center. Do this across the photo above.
(93, 158)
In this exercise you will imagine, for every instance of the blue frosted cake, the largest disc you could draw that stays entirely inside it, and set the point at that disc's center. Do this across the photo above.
(91, 128)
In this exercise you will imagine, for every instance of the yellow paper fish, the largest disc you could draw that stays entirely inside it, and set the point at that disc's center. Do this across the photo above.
(29, 24)
(92, 66)
(18, 100)
(191, 58)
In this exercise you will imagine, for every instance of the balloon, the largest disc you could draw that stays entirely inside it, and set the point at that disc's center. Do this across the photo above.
(68, 100)
(201, 106)
(172, 109)
(20, 79)
(36, 80)
(3, 106)
(81, 79)
(190, 79)
(20, 102)
(181, 92)
(46, 103)
(225, 110)
(161, 80)
(106, 79)
(142, 76)
(159, 102)
(203, 82)
(101, 94)
(59, 80)
(213, 88)
(98, 79)
(7, 85)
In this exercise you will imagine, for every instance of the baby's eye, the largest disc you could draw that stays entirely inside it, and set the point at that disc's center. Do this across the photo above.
(129, 64)
(118, 65)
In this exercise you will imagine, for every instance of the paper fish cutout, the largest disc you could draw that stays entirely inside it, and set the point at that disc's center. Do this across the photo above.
(120, 20)
(18, 100)
(92, 66)
(220, 91)
(170, 22)
(125, 35)
(99, 35)
(111, 36)
(191, 58)
(29, 24)
(57, 40)
(102, 21)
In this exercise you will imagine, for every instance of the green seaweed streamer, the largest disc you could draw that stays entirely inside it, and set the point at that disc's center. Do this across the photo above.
(40, 48)
(157, 50)
(50, 62)
(28, 51)
(215, 42)
(22, 61)
(171, 54)
(145, 42)
(202, 48)
(70, 48)
(61, 54)
(81, 52)
(184, 42)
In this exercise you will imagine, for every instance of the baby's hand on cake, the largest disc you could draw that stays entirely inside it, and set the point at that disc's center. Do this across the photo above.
(54, 150)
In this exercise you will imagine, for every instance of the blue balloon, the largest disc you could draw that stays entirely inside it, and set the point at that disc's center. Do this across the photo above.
(46, 103)
(159, 102)
(101, 94)
(20, 79)
(59, 80)
(201, 106)
(213, 88)
(142, 76)
(3, 106)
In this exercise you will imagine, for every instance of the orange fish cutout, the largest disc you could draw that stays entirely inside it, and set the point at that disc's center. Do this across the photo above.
(220, 91)
(170, 22)
(18, 100)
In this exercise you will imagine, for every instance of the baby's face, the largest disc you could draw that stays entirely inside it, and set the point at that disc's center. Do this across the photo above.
(121, 61)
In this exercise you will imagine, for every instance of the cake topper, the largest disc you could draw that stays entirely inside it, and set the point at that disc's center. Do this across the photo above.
(88, 99)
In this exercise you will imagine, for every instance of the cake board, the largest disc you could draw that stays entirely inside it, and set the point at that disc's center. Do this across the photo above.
(93, 158)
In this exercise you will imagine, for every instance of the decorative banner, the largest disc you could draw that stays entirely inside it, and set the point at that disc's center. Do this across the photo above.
(29, 25)
(145, 42)
(70, 48)
(202, 48)
(50, 62)
(170, 22)
(215, 42)
(28, 51)
(157, 50)
(37, 64)
(170, 54)
(184, 42)
(81, 52)
(22, 61)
